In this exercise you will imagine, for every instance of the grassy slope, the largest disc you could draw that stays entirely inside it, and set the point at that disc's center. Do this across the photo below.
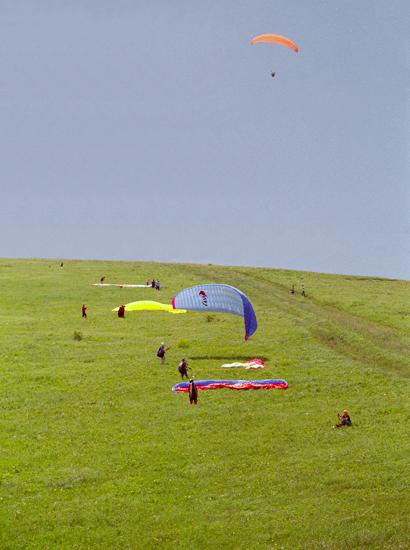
(96, 451)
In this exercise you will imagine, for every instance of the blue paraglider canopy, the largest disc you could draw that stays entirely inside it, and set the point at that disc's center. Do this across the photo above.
(218, 298)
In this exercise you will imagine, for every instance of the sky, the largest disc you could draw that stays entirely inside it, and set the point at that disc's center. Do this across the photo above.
(141, 130)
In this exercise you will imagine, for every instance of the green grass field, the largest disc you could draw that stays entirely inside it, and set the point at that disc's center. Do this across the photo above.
(97, 452)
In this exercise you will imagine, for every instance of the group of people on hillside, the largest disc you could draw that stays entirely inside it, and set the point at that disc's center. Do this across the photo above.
(302, 292)
(183, 365)
(154, 284)
(121, 310)
(343, 419)
(183, 371)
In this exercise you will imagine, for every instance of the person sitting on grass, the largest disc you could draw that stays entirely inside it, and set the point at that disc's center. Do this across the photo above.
(344, 419)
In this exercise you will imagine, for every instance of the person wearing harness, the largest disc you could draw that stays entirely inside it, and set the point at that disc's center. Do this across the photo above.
(183, 369)
(161, 352)
(193, 392)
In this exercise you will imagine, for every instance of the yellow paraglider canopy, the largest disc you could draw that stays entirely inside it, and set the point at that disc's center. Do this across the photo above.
(149, 305)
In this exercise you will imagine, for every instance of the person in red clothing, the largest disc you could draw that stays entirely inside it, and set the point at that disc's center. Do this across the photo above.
(84, 310)
(121, 311)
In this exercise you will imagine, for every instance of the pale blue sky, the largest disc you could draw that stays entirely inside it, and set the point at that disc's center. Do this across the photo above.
(152, 130)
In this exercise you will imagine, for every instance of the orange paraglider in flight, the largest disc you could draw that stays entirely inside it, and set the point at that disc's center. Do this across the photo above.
(275, 39)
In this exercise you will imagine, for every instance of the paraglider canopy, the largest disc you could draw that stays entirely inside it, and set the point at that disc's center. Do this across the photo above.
(219, 298)
(275, 39)
(149, 305)
(269, 384)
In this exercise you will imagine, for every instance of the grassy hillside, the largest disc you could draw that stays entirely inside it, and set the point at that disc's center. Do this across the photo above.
(97, 452)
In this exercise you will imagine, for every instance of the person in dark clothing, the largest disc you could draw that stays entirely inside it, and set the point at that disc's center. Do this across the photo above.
(84, 310)
(161, 352)
(153, 283)
(121, 311)
(102, 280)
(193, 392)
(183, 369)
(303, 291)
(292, 290)
(344, 419)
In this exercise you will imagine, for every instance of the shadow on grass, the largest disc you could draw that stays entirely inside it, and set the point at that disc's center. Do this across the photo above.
(228, 357)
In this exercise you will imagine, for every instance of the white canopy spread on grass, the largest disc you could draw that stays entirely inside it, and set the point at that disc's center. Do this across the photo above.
(119, 285)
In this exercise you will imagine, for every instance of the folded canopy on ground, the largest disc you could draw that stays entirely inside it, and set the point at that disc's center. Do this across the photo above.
(149, 305)
(218, 298)
(121, 285)
(233, 385)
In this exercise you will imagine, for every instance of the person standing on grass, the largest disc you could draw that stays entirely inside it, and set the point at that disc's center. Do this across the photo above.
(303, 291)
(161, 352)
(183, 369)
(121, 311)
(193, 392)
(84, 311)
